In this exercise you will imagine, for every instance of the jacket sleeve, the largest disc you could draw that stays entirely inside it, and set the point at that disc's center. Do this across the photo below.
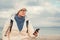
(6, 26)
(31, 30)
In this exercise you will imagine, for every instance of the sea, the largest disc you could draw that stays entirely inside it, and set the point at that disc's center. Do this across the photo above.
(49, 30)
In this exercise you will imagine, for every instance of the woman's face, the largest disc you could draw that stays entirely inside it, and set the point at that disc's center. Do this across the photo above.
(22, 12)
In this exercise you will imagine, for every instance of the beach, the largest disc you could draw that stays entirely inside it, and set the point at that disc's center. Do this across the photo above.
(48, 37)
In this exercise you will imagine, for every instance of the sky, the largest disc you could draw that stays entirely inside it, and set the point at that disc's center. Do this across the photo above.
(43, 13)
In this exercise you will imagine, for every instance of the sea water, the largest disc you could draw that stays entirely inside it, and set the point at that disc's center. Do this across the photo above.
(49, 30)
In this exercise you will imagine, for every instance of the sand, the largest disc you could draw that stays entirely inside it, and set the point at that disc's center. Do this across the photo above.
(48, 37)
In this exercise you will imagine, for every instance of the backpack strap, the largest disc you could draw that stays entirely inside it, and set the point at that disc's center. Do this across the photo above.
(27, 23)
(11, 24)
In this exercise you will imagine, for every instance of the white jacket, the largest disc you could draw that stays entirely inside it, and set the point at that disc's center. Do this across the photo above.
(16, 34)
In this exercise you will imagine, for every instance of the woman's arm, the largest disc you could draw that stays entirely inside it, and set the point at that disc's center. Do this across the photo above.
(31, 31)
(5, 28)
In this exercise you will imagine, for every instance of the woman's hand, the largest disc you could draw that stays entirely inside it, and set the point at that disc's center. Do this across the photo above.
(35, 33)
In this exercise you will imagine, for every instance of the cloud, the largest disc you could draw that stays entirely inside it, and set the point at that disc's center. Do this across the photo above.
(7, 13)
(41, 12)
(46, 22)
(33, 3)
(6, 4)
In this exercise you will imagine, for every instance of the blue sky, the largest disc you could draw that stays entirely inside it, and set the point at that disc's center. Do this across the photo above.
(43, 13)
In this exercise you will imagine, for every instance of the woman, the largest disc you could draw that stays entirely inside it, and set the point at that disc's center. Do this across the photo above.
(19, 30)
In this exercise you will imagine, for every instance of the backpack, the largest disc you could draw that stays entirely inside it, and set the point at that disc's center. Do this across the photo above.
(11, 24)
